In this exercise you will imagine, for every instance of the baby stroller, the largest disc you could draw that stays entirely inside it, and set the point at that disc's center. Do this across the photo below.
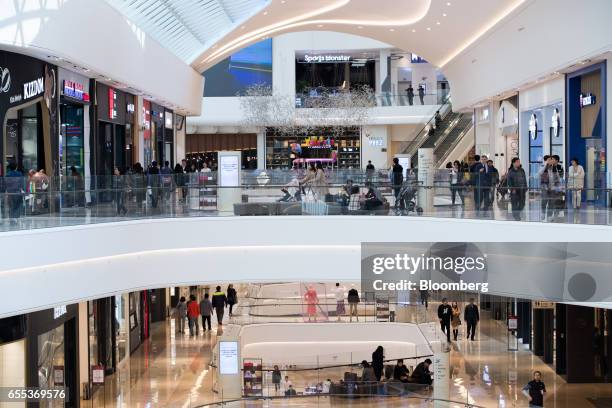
(293, 192)
(407, 198)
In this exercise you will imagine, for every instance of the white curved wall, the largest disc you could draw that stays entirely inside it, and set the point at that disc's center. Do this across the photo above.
(538, 38)
(327, 343)
(92, 34)
(65, 265)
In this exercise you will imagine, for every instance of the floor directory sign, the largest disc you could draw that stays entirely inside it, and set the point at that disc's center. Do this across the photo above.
(228, 357)
(229, 169)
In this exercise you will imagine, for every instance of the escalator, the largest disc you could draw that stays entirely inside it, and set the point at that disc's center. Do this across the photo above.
(444, 145)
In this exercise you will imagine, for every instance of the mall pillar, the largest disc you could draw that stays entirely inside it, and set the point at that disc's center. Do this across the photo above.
(426, 179)
(580, 323)
(560, 338)
(543, 334)
(524, 315)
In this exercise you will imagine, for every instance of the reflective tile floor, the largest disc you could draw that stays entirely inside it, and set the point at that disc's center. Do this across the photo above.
(171, 370)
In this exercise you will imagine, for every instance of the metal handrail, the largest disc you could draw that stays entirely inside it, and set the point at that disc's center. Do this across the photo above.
(454, 144)
(414, 144)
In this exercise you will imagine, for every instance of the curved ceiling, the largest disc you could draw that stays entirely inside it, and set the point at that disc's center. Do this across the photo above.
(438, 30)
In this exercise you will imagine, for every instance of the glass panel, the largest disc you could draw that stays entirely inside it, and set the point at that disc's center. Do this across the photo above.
(71, 139)
(29, 132)
(121, 334)
(50, 354)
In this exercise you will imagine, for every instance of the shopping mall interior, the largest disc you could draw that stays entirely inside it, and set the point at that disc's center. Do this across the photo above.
(268, 203)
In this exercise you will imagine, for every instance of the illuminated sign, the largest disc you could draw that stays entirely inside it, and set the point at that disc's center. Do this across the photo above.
(587, 99)
(556, 118)
(59, 311)
(112, 103)
(33, 88)
(533, 126)
(130, 108)
(75, 90)
(228, 357)
(323, 58)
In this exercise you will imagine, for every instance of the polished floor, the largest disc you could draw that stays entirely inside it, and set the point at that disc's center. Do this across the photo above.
(172, 370)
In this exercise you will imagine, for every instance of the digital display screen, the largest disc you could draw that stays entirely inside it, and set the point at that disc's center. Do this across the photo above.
(229, 170)
(234, 75)
(228, 357)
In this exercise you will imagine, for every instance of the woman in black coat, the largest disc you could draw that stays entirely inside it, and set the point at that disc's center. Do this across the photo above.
(378, 362)
(232, 298)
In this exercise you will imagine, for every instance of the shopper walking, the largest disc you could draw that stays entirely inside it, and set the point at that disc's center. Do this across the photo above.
(139, 186)
(206, 310)
(456, 182)
(320, 185)
(219, 302)
(517, 185)
(276, 378)
(14, 186)
(575, 182)
(482, 186)
(232, 298)
(353, 301)
(181, 314)
(193, 313)
(421, 91)
(154, 184)
(370, 169)
(456, 320)
(471, 317)
(340, 309)
(535, 390)
(445, 314)
(410, 95)
(378, 362)
(397, 178)
(119, 191)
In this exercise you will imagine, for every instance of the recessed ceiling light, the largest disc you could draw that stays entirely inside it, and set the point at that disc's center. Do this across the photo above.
(320, 25)
(443, 14)
(428, 28)
(414, 30)
(392, 29)
(360, 27)
(448, 3)
(283, 1)
(242, 28)
(265, 13)
(437, 23)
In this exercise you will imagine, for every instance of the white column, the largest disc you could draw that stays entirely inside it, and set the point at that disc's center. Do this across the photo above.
(261, 149)
(426, 171)
(180, 142)
(83, 342)
(441, 379)
(382, 70)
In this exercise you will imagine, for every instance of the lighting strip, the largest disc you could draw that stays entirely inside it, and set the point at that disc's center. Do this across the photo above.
(482, 32)
(295, 22)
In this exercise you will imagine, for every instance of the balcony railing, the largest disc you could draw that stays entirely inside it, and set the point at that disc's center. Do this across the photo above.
(40, 203)
(314, 100)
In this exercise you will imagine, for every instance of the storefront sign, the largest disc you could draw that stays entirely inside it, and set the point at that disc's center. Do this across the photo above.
(555, 122)
(376, 141)
(97, 374)
(130, 108)
(533, 126)
(33, 88)
(59, 311)
(5, 80)
(326, 58)
(416, 59)
(540, 304)
(75, 90)
(58, 376)
(587, 99)
(112, 103)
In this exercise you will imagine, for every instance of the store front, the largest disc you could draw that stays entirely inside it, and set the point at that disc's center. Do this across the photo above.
(542, 126)
(168, 138)
(332, 70)
(113, 137)
(108, 332)
(586, 126)
(332, 147)
(28, 113)
(52, 350)
(158, 131)
(204, 148)
(508, 133)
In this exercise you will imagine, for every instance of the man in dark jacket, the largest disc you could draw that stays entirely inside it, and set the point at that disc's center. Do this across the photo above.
(397, 177)
(219, 302)
(14, 185)
(421, 373)
(400, 372)
(445, 313)
(155, 183)
(482, 183)
(517, 185)
(471, 317)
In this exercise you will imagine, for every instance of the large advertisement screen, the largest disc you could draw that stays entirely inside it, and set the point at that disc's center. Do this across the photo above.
(233, 76)
(228, 357)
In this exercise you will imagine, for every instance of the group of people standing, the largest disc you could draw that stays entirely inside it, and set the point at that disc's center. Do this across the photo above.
(191, 310)
(311, 299)
(375, 371)
(450, 316)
